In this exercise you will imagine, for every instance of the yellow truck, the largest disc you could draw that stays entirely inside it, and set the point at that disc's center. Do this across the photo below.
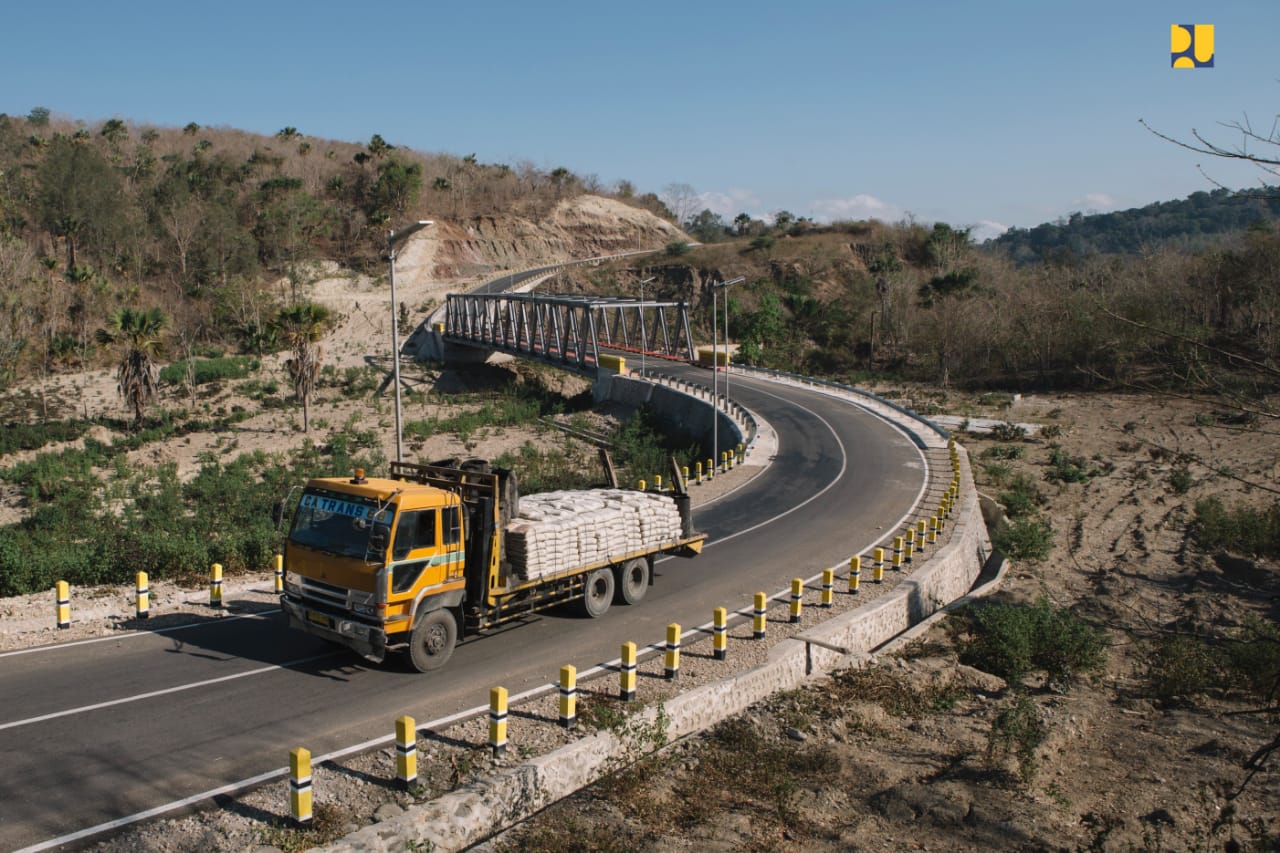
(410, 562)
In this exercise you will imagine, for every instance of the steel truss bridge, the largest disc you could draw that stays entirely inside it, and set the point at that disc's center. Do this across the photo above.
(568, 329)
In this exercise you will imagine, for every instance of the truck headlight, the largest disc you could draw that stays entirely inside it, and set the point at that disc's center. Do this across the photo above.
(363, 609)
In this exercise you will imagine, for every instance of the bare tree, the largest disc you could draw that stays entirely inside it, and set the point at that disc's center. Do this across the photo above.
(682, 200)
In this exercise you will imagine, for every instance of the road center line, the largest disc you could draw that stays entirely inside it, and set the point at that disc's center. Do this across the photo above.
(127, 699)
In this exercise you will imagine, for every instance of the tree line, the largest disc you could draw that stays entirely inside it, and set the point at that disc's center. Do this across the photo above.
(198, 222)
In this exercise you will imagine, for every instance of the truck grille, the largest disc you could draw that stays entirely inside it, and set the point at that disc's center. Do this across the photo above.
(334, 597)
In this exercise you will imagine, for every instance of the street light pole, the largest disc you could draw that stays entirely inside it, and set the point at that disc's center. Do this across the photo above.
(394, 237)
(643, 338)
(715, 357)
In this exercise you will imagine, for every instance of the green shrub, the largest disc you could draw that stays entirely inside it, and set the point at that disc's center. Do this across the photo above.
(1180, 665)
(15, 437)
(1004, 451)
(204, 370)
(996, 472)
(1008, 432)
(1011, 640)
(676, 248)
(1028, 539)
(1022, 497)
(1253, 657)
(1065, 468)
(1180, 480)
(1017, 730)
(1243, 529)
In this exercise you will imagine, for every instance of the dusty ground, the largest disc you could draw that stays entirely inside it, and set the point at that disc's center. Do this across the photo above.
(877, 769)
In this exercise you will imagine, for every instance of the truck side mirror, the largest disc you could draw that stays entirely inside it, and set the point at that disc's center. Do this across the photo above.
(378, 538)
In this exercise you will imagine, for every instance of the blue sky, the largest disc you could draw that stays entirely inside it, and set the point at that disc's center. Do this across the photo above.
(983, 113)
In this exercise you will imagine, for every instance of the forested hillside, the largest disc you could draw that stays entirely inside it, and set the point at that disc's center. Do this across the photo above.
(1190, 223)
(197, 221)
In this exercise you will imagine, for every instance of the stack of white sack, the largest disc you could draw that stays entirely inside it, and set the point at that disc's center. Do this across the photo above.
(558, 531)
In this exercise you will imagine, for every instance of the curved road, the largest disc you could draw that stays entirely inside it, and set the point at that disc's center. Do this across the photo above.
(96, 732)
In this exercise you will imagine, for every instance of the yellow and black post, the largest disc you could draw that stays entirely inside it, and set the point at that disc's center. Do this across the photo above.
(758, 621)
(933, 529)
(279, 573)
(828, 587)
(910, 547)
(657, 482)
(897, 553)
(724, 461)
(672, 662)
(568, 696)
(699, 473)
(215, 585)
(711, 468)
(877, 568)
(720, 633)
(741, 454)
(406, 752)
(498, 720)
(641, 485)
(855, 574)
(797, 598)
(62, 599)
(300, 785)
(920, 529)
(627, 673)
(143, 596)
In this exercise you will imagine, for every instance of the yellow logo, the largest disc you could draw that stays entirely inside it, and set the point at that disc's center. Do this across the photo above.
(1191, 45)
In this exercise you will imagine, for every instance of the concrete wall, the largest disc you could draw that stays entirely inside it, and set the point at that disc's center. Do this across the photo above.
(684, 408)
(470, 814)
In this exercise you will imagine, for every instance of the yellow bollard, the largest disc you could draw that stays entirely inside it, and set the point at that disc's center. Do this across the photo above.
(855, 574)
(627, 673)
(877, 569)
(657, 482)
(672, 663)
(897, 553)
(406, 752)
(720, 633)
(143, 596)
(699, 473)
(921, 526)
(758, 616)
(933, 530)
(498, 720)
(911, 544)
(62, 599)
(797, 598)
(711, 468)
(215, 585)
(724, 461)
(279, 572)
(685, 472)
(300, 785)
(568, 696)
(942, 520)
(828, 587)
(641, 485)
(742, 454)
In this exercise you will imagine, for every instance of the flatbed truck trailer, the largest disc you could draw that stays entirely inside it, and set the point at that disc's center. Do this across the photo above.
(411, 562)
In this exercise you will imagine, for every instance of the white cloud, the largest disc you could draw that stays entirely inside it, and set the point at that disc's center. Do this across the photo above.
(1096, 201)
(985, 229)
(730, 204)
(860, 206)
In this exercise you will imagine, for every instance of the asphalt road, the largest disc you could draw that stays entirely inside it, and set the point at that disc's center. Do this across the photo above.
(97, 732)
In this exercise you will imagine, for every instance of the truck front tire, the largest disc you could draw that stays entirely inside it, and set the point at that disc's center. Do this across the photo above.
(598, 594)
(432, 641)
(632, 580)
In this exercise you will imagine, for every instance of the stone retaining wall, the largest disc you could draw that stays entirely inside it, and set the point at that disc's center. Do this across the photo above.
(473, 813)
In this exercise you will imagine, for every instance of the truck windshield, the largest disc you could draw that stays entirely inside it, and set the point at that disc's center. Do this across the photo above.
(346, 525)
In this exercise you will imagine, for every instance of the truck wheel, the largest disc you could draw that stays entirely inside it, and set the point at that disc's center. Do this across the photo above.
(632, 580)
(432, 640)
(599, 593)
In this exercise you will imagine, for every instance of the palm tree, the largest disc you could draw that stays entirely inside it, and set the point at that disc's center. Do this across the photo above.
(138, 332)
(301, 327)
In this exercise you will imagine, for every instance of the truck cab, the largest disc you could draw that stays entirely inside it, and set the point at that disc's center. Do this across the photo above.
(365, 555)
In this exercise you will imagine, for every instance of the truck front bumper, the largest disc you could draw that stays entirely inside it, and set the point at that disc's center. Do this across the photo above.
(368, 641)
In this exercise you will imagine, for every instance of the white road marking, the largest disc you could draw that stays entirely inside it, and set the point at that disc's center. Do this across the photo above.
(151, 695)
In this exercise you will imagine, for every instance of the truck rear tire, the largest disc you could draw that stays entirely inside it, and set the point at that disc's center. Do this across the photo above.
(432, 640)
(598, 594)
(632, 580)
